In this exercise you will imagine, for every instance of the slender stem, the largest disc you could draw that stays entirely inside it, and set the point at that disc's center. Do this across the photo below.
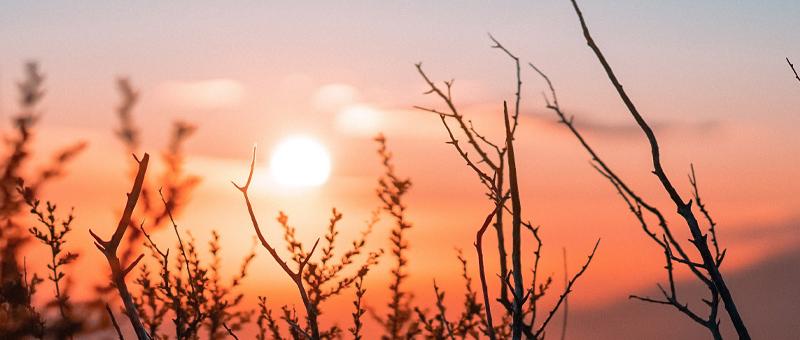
(114, 322)
(486, 299)
(516, 226)
(501, 239)
(567, 290)
(230, 331)
(56, 280)
(566, 299)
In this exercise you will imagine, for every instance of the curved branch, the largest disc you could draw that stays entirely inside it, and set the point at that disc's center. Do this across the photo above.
(486, 300)
(297, 277)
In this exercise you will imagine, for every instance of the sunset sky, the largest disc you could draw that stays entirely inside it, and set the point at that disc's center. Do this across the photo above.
(710, 76)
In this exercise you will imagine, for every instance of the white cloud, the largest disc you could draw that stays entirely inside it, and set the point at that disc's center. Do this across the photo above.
(333, 97)
(359, 119)
(208, 94)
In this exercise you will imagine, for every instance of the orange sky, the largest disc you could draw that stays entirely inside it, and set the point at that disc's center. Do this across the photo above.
(727, 105)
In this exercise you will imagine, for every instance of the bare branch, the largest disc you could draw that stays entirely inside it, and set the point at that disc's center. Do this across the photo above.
(109, 249)
(518, 94)
(230, 331)
(457, 116)
(566, 292)
(699, 240)
(486, 299)
(114, 322)
(711, 223)
(297, 277)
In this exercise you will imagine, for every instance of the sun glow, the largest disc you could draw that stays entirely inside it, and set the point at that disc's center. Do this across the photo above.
(300, 161)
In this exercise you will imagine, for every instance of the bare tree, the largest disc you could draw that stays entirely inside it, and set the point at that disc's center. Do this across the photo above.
(21, 318)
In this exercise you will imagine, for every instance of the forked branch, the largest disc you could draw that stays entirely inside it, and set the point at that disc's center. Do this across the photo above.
(109, 249)
(296, 276)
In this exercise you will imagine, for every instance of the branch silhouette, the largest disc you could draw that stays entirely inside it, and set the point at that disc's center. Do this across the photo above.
(295, 276)
(518, 298)
(109, 249)
(706, 270)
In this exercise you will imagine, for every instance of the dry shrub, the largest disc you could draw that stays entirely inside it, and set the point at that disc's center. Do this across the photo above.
(318, 279)
(17, 316)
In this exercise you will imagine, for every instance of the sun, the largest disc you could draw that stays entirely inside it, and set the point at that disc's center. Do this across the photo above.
(300, 161)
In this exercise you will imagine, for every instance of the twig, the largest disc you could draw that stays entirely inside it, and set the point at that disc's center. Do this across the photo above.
(711, 223)
(440, 307)
(230, 331)
(566, 292)
(199, 316)
(566, 299)
(671, 299)
(114, 322)
(359, 312)
(537, 256)
(518, 94)
(486, 299)
(448, 99)
(793, 70)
